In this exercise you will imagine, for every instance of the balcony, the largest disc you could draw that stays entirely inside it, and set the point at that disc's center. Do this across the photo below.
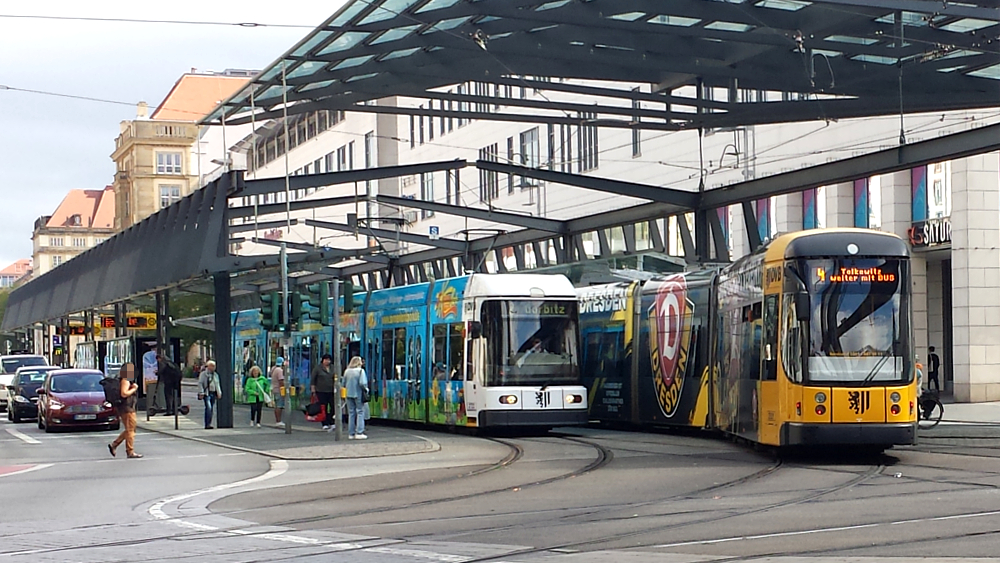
(153, 132)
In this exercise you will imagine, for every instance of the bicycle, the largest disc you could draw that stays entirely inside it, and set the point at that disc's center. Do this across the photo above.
(930, 410)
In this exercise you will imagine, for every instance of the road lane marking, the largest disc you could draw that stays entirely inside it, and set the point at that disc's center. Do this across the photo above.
(278, 468)
(23, 437)
(21, 469)
(832, 529)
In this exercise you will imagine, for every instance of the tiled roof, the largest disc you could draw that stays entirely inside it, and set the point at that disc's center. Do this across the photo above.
(194, 95)
(19, 268)
(95, 208)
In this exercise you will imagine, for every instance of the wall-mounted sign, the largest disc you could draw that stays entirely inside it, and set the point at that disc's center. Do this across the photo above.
(930, 233)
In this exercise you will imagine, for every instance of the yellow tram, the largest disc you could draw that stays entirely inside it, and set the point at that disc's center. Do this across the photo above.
(806, 341)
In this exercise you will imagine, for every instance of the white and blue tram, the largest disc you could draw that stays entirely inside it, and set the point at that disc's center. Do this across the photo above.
(483, 350)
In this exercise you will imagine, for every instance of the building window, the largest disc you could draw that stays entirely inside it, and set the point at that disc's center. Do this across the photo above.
(169, 195)
(421, 127)
(57, 260)
(510, 160)
(316, 165)
(530, 153)
(636, 131)
(79, 242)
(328, 162)
(168, 163)
(322, 119)
(56, 241)
(342, 159)
(489, 188)
(587, 135)
(566, 148)
(447, 187)
(413, 131)
(426, 193)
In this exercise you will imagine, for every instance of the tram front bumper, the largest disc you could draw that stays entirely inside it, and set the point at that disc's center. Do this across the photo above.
(797, 434)
(548, 418)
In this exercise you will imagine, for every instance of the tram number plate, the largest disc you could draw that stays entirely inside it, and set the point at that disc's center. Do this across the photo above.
(85, 417)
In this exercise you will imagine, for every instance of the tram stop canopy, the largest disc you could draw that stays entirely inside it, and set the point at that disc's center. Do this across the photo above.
(711, 64)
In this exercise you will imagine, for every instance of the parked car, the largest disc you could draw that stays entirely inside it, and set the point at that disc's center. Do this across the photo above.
(23, 392)
(74, 398)
(8, 367)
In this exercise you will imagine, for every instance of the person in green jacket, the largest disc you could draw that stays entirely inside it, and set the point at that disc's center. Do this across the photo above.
(258, 392)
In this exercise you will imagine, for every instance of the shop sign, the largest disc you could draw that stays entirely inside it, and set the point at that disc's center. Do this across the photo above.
(930, 233)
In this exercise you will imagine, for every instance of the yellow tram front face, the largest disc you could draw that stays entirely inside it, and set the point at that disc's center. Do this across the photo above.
(845, 372)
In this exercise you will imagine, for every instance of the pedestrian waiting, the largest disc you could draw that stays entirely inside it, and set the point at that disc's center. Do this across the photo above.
(321, 385)
(356, 383)
(258, 393)
(278, 385)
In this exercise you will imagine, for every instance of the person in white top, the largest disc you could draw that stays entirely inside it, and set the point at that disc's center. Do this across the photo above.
(277, 374)
(356, 383)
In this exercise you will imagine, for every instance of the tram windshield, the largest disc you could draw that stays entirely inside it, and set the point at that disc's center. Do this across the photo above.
(531, 342)
(859, 323)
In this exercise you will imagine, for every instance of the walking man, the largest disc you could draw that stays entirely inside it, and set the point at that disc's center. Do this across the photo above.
(277, 375)
(933, 365)
(321, 383)
(126, 413)
(210, 390)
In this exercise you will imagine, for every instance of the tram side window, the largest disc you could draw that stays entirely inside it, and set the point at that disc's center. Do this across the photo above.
(791, 344)
(399, 359)
(387, 347)
(456, 354)
(769, 372)
(439, 371)
(592, 355)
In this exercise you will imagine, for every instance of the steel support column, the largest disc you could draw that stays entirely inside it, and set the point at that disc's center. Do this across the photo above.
(750, 221)
(223, 344)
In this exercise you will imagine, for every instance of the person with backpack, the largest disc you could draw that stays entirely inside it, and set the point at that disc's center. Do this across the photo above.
(258, 392)
(170, 377)
(209, 390)
(124, 403)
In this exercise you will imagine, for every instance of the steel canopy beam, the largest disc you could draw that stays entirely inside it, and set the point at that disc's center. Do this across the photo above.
(386, 234)
(641, 191)
(958, 145)
(273, 208)
(277, 185)
(923, 7)
(260, 225)
(528, 221)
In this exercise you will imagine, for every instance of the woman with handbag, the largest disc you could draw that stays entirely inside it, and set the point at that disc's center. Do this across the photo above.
(356, 383)
(258, 393)
(209, 390)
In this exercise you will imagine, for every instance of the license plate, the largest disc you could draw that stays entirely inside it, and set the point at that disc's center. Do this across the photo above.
(85, 417)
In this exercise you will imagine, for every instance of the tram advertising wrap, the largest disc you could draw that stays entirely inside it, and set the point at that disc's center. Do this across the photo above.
(806, 341)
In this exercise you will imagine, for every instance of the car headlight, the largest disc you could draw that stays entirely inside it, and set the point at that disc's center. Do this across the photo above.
(20, 399)
(107, 405)
(55, 405)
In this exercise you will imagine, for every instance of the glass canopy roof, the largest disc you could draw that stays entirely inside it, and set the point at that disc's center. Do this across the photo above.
(852, 49)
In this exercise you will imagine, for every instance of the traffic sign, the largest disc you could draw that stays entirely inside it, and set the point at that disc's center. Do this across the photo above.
(435, 232)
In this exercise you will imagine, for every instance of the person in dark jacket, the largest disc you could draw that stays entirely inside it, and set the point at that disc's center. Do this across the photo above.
(321, 384)
(170, 379)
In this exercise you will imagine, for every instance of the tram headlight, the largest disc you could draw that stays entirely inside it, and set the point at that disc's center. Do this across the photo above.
(820, 410)
(508, 399)
(573, 399)
(894, 397)
(820, 397)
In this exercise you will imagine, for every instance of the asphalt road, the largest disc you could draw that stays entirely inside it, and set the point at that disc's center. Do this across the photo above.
(586, 495)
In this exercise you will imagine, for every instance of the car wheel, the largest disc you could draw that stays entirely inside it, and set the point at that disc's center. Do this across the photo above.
(115, 427)
(13, 417)
(41, 425)
(48, 428)
(9, 416)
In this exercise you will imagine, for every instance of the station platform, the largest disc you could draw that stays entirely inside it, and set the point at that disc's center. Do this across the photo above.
(307, 441)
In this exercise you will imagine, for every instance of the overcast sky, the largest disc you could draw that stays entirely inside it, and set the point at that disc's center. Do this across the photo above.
(50, 145)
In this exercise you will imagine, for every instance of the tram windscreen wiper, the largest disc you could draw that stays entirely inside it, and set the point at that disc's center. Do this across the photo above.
(878, 365)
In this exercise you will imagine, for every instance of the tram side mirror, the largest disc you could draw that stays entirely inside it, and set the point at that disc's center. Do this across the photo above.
(475, 329)
(802, 306)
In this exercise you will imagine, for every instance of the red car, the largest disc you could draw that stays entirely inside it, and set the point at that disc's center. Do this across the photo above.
(73, 398)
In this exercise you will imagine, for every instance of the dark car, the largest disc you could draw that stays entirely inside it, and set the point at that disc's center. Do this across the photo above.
(23, 392)
(74, 398)
(9, 365)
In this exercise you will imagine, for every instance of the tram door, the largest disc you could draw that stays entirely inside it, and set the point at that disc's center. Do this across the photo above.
(373, 369)
(769, 407)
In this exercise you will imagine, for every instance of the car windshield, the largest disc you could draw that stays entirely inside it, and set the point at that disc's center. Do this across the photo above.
(31, 377)
(10, 365)
(77, 383)
(859, 321)
(531, 342)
